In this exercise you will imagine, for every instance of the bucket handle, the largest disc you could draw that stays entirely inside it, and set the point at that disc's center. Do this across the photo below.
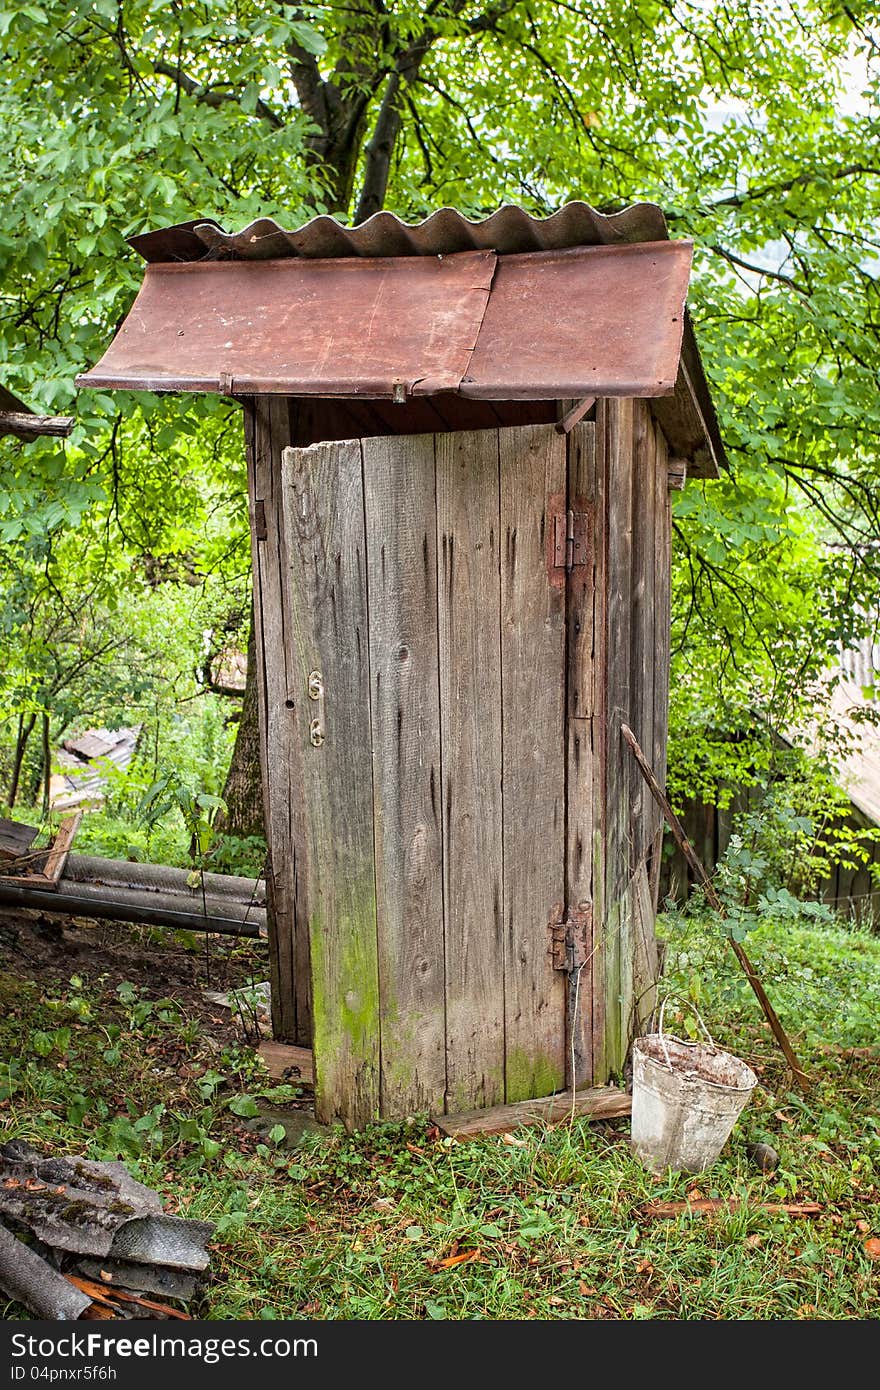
(697, 1015)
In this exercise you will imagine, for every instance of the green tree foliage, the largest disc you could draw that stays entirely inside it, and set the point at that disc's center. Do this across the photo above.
(754, 123)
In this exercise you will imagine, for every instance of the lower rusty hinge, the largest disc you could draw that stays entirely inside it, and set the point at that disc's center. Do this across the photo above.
(569, 935)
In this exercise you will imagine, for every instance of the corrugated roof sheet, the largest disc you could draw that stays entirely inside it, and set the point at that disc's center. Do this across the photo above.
(544, 326)
(508, 231)
(580, 303)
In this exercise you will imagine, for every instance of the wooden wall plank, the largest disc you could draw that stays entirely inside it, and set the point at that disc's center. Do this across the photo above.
(267, 432)
(643, 656)
(533, 468)
(615, 418)
(401, 524)
(326, 552)
(470, 704)
(662, 599)
(584, 601)
(645, 966)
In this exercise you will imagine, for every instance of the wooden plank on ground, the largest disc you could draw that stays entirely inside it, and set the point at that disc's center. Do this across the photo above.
(60, 848)
(15, 838)
(286, 1062)
(470, 713)
(532, 467)
(583, 763)
(326, 555)
(401, 529)
(593, 1103)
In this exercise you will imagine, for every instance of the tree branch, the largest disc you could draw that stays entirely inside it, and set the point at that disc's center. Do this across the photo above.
(212, 96)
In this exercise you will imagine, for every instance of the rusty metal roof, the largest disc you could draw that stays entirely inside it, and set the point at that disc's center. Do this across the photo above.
(508, 231)
(510, 308)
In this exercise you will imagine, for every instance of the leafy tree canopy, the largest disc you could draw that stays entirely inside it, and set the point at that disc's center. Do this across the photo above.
(753, 124)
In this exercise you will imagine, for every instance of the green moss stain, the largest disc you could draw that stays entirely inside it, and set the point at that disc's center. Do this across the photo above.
(531, 1075)
(413, 1060)
(345, 1006)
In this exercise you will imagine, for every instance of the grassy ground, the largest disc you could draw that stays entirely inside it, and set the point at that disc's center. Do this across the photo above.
(398, 1223)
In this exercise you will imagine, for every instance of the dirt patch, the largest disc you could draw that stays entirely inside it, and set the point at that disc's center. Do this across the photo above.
(49, 950)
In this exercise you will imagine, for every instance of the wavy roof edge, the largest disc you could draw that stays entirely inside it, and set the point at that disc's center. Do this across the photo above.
(509, 231)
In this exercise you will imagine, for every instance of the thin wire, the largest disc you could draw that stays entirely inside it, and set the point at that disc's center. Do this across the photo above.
(574, 1012)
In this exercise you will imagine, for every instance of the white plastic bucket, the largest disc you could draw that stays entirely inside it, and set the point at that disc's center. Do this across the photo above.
(686, 1099)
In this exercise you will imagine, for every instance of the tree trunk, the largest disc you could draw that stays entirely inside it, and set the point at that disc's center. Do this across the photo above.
(243, 792)
(25, 727)
(47, 766)
(340, 110)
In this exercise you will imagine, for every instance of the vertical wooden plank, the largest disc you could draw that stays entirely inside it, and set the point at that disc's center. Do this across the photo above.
(401, 522)
(662, 618)
(600, 740)
(617, 416)
(662, 602)
(265, 436)
(324, 518)
(532, 467)
(645, 965)
(470, 715)
(642, 650)
(583, 770)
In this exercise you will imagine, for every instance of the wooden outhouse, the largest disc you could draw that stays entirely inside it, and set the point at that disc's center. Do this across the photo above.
(460, 441)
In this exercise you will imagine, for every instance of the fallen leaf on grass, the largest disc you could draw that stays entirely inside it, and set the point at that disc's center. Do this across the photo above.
(99, 1296)
(863, 1226)
(512, 1139)
(712, 1204)
(452, 1260)
(872, 1248)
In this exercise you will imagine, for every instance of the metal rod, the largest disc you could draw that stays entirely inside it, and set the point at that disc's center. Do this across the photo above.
(714, 901)
(116, 907)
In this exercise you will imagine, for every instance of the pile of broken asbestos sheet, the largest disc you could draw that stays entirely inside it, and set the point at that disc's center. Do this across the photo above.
(96, 1244)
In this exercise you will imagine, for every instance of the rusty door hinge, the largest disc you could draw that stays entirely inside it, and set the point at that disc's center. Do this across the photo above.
(570, 540)
(260, 530)
(569, 936)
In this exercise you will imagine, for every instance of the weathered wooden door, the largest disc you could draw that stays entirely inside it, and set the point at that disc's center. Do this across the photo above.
(441, 600)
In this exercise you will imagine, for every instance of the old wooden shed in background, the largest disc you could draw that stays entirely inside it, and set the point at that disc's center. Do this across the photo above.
(460, 440)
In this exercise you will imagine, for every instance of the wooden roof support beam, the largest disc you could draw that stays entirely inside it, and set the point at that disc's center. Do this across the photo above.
(25, 426)
(575, 415)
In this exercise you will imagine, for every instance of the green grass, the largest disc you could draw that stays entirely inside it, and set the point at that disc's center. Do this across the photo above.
(553, 1223)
